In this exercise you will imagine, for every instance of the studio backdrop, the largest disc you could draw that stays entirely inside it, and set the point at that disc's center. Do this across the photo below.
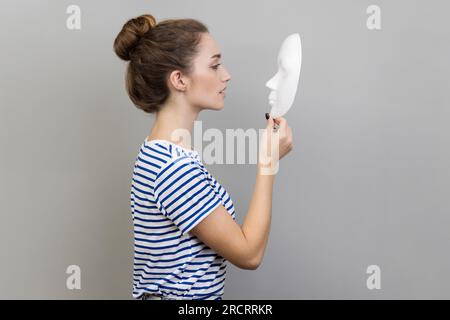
(361, 205)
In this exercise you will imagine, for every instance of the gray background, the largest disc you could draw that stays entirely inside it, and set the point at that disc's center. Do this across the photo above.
(367, 182)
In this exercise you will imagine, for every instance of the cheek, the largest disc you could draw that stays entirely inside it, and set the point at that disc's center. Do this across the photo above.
(206, 84)
(281, 87)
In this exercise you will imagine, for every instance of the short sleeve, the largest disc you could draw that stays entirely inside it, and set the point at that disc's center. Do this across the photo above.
(184, 194)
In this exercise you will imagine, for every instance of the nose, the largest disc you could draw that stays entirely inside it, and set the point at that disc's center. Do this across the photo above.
(270, 84)
(227, 75)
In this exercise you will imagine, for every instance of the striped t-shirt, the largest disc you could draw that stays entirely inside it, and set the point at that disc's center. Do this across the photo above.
(171, 192)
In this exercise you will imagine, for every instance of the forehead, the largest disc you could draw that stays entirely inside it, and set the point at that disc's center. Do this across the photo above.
(208, 47)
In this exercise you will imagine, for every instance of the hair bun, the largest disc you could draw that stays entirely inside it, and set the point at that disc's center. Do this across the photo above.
(131, 33)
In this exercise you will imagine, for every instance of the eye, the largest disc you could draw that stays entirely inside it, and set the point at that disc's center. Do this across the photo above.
(216, 66)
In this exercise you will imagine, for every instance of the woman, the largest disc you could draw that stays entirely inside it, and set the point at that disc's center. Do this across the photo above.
(184, 222)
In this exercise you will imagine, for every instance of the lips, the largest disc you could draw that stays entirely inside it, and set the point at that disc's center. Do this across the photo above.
(272, 97)
(223, 90)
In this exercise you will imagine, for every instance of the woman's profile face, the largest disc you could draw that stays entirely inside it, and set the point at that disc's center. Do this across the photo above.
(209, 76)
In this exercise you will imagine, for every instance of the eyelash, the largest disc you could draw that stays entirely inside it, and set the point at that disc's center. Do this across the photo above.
(216, 66)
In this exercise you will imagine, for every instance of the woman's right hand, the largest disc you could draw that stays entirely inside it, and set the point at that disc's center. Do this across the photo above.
(281, 137)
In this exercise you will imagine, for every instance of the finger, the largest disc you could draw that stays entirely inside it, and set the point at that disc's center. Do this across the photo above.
(276, 126)
(290, 137)
(270, 123)
(281, 121)
(283, 125)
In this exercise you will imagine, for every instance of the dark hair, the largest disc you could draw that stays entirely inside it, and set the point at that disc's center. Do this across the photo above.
(154, 51)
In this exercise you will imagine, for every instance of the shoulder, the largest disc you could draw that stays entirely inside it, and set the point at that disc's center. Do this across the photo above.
(178, 165)
(157, 155)
(167, 161)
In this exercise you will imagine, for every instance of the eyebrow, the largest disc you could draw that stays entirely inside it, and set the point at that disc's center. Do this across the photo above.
(217, 55)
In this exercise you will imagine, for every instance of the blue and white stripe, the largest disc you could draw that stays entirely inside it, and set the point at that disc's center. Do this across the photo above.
(171, 192)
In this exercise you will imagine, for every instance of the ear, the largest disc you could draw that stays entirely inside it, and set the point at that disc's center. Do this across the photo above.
(177, 80)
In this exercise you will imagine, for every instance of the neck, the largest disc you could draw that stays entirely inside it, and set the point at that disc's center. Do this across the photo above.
(173, 117)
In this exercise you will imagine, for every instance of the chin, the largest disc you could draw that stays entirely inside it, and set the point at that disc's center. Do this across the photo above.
(219, 106)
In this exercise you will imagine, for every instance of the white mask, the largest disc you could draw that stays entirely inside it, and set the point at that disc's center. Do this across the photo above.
(284, 83)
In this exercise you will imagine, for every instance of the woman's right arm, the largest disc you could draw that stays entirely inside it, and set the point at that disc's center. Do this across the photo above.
(245, 246)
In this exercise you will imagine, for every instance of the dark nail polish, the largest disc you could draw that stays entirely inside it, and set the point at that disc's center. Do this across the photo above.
(267, 116)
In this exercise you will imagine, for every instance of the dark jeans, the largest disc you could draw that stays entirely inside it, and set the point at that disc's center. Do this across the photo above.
(149, 296)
